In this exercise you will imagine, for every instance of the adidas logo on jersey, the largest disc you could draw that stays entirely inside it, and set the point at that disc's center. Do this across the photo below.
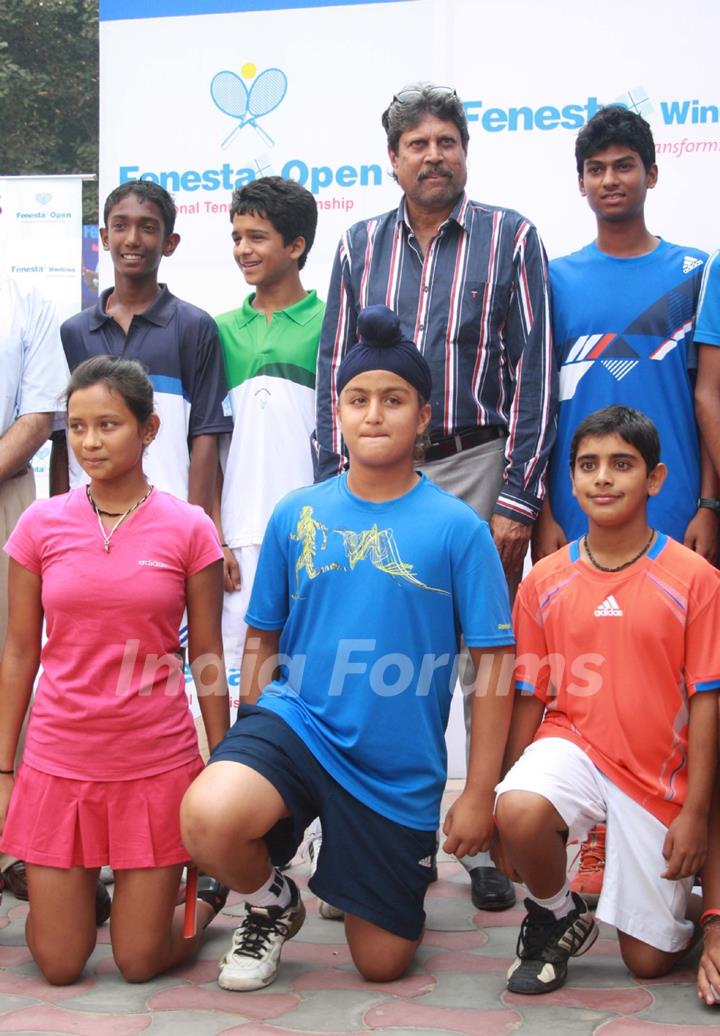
(608, 607)
(690, 263)
(427, 861)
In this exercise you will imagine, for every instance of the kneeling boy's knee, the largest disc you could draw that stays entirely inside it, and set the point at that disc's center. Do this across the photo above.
(208, 833)
(200, 822)
(373, 970)
(520, 812)
(645, 962)
(381, 963)
(510, 810)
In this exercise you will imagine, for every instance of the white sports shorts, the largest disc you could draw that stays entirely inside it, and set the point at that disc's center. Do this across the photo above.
(634, 898)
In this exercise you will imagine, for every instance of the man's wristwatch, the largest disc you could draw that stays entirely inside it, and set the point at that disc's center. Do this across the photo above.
(711, 502)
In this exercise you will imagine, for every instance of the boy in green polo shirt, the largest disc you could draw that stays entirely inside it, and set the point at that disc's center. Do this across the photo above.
(269, 347)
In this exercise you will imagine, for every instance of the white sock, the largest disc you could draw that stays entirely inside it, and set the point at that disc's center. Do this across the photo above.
(560, 904)
(478, 860)
(275, 892)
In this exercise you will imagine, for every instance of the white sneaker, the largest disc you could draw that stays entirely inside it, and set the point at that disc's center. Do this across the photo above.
(253, 960)
(311, 850)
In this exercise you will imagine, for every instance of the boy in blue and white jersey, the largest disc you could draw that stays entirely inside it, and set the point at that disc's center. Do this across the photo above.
(365, 584)
(623, 313)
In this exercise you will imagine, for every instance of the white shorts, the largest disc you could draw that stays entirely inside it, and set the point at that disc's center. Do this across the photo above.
(235, 605)
(634, 898)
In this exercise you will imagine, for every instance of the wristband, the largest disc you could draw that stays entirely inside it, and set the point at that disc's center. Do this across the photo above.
(7, 772)
(225, 546)
(709, 917)
(711, 502)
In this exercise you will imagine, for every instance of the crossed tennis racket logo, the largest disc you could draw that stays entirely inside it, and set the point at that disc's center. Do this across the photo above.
(233, 97)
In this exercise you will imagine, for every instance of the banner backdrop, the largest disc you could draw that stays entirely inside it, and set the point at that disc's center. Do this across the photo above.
(234, 89)
(238, 89)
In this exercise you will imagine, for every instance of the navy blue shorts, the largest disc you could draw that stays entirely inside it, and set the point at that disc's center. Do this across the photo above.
(368, 866)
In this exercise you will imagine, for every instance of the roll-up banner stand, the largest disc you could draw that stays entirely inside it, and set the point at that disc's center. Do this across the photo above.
(41, 246)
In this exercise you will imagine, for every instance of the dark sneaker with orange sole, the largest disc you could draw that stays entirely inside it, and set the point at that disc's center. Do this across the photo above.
(545, 945)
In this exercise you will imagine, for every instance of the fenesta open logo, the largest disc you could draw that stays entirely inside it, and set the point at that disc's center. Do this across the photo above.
(248, 104)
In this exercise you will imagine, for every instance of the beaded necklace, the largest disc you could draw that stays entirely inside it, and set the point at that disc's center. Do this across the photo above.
(625, 564)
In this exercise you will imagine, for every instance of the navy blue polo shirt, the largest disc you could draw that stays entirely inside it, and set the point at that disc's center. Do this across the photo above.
(177, 343)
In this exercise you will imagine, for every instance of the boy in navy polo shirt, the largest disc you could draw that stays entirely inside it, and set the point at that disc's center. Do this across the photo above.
(177, 343)
(364, 585)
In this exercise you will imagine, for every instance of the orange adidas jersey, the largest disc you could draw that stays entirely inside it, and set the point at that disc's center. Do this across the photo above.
(615, 658)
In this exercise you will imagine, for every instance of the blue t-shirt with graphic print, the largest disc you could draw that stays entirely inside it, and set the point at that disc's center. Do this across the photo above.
(372, 599)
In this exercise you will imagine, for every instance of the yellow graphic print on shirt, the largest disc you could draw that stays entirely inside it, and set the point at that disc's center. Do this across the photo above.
(376, 544)
(305, 533)
(380, 546)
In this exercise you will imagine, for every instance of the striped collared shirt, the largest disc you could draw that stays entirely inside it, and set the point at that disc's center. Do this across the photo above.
(477, 307)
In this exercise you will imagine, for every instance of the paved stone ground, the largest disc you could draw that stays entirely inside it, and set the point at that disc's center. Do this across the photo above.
(456, 985)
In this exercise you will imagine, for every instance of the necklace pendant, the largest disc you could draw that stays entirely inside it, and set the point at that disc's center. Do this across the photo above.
(107, 536)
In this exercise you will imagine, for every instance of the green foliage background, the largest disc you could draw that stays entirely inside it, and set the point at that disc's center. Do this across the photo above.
(49, 90)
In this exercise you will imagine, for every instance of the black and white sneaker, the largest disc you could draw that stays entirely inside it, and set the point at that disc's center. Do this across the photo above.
(253, 960)
(545, 945)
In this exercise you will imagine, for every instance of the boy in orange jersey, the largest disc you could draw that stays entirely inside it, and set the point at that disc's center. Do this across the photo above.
(619, 673)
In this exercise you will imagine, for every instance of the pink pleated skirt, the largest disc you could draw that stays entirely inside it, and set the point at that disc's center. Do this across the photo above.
(59, 822)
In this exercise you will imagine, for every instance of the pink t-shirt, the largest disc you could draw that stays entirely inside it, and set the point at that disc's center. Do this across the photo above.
(111, 702)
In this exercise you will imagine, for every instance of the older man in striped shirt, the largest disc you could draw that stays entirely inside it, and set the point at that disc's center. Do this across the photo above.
(469, 283)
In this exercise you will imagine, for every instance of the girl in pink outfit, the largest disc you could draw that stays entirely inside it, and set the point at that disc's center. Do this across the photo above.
(111, 744)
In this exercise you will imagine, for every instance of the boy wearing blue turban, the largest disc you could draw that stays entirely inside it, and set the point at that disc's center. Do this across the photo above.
(365, 584)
